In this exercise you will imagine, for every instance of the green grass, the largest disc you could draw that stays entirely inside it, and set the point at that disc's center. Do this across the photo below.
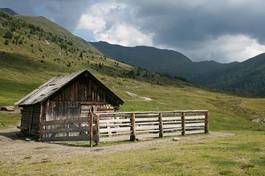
(241, 154)
(8, 119)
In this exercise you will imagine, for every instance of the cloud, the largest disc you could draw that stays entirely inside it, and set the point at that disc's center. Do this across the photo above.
(65, 13)
(107, 21)
(227, 30)
(204, 28)
(227, 48)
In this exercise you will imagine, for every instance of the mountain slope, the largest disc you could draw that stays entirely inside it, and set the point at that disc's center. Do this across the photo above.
(248, 76)
(161, 60)
(30, 55)
(243, 78)
(8, 11)
(153, 59)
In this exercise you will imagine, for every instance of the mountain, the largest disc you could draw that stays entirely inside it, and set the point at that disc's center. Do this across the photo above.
(8, 11)
(243, 78)
(153, 59)
(34, 49)
(247, 77)
(161, 60)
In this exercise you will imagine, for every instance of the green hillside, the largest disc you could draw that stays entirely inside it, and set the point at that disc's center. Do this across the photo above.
(247, 77)
(33, 49)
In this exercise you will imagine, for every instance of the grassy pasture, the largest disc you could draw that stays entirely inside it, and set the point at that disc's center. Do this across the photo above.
(239, 154)
(25, 67)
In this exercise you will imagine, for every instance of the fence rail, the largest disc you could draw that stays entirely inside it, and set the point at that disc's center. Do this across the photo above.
(131, 124)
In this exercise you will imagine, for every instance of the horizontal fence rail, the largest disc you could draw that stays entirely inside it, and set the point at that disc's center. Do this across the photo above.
(137, 123)
(131, 124)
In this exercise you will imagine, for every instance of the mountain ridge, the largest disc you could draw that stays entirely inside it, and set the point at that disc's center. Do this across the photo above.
(224, 76)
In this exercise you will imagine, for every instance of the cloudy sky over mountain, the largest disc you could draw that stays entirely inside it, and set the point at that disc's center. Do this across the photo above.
(227, 30)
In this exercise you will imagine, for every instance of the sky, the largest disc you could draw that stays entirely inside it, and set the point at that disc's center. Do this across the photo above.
(220, 30)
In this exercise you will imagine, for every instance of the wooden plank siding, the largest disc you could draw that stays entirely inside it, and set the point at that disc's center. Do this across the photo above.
(30, 119)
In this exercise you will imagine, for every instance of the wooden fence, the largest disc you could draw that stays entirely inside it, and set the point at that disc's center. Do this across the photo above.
(131, 124)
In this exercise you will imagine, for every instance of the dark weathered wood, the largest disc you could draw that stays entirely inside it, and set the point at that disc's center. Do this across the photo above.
(160, 125)
(69, 121)
(40, 122)
(183, 123)
(132, 136)
(67, 130)
(206, 124)
(97, 136)
(30, 120)
(91, 129)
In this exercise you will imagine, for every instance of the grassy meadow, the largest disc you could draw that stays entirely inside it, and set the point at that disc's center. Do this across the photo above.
(25, 66)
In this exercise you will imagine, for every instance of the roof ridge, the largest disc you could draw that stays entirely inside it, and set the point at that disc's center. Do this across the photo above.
(53, 85)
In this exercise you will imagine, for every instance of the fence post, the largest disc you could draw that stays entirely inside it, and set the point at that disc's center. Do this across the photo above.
(132, 136)
(90, 115)
(97, 130)
(183, 123)
(160, 125)
(206, 124)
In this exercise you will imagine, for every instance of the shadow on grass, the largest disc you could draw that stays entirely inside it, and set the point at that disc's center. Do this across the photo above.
(87, 144)
(16, 135)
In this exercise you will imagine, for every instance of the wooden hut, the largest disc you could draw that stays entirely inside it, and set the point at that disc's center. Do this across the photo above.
(64, 97)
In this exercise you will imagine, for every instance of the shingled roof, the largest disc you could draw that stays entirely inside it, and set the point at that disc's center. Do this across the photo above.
(54, 84)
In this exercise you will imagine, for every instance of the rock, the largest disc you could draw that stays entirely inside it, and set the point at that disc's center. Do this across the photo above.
(27, 139)
(7, 108)
(175, 139)
(259, 120)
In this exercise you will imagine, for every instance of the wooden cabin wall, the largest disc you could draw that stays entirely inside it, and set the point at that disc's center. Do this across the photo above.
(67, 102)
(83, 89)
(30, 119)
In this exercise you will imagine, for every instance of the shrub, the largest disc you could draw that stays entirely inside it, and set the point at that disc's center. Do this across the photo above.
(8, 35)
(20, 42)
(81, 54)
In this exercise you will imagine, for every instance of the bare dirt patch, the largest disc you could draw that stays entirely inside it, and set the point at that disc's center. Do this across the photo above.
(137, 96)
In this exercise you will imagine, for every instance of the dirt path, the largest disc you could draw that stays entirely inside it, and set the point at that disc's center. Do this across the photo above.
(15, 150)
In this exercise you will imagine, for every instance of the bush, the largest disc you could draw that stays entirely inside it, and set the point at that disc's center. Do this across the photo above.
(68, 64)
(6, 42)
(8, 35)
(20, 42)
(81, 54)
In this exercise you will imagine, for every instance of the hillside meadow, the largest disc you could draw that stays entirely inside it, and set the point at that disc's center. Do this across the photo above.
(235, 145)
(240, 151)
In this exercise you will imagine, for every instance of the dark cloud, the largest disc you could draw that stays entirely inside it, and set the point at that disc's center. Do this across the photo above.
(225, 30)
(65, 13)
(182, 22)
